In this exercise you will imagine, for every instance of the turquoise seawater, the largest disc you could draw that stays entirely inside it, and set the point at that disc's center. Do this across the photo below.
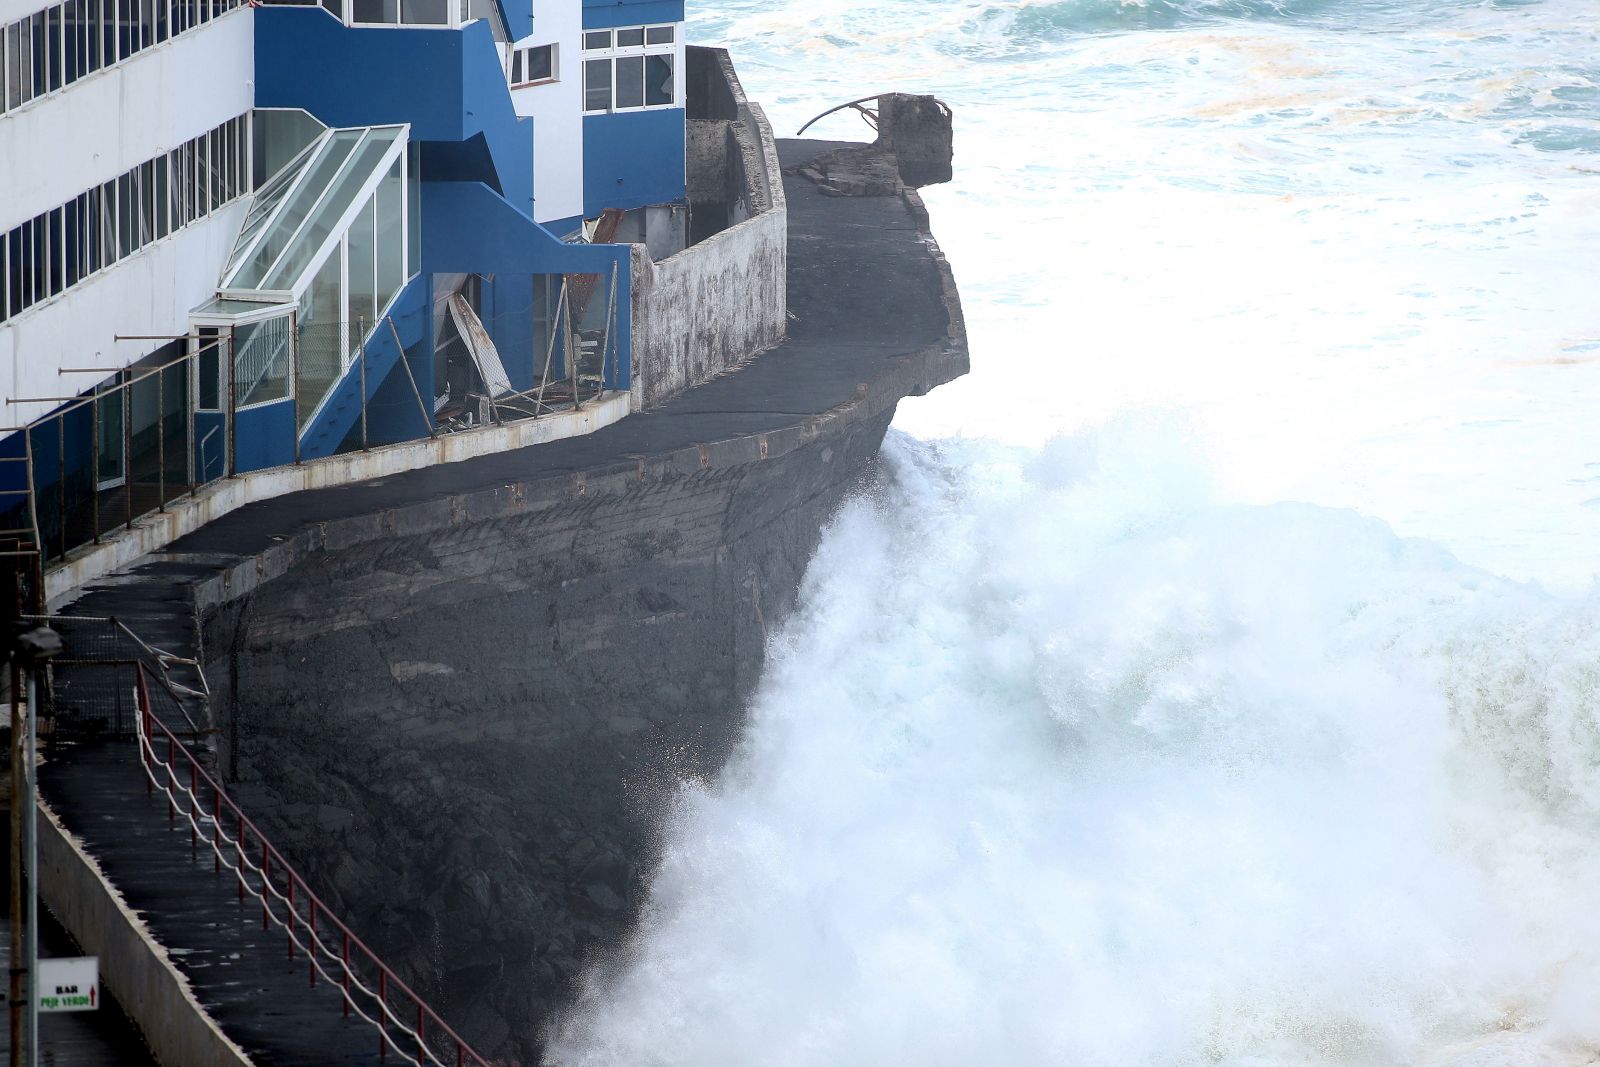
(1214, 678)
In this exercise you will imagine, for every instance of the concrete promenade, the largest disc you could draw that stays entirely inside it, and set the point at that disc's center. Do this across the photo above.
(873, 318)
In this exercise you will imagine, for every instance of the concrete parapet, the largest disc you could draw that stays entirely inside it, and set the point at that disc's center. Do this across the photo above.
(133, 966)
(719, 302)
(154, 531)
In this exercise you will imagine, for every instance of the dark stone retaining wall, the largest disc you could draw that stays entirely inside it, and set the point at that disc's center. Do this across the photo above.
(466, 734)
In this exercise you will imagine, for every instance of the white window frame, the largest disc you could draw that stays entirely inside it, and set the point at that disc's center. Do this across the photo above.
(611, 52)
(555, 65)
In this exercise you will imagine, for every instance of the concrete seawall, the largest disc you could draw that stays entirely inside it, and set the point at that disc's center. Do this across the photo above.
(459, 698)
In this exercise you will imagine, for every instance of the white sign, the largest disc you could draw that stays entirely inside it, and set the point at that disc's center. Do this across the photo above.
(71, 983)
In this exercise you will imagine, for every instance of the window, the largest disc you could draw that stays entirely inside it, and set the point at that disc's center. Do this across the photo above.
(55, 250)
(630, 68)
(531, 66)
(44, 52)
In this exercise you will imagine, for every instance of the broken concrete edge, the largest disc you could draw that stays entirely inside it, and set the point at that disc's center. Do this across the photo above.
(134, 966)
(154, 531)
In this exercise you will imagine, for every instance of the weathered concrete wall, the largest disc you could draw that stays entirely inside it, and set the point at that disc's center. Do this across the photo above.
(135, 968)
(718, 302)
(465, 723)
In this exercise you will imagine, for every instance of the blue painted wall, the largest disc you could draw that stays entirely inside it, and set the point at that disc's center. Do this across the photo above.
(263, 436)
(448, 85)
(519, 17)
(603, 14)
(471, 230)
(633, 158)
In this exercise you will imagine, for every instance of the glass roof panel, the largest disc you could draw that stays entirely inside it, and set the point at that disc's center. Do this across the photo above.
(224, 305)
(293, 211)
(267, 198)
(331, 208)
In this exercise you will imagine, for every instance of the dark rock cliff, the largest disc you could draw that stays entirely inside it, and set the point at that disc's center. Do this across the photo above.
(467, 736)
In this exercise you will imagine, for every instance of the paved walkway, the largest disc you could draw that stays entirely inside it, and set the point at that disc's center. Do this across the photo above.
(864, 290)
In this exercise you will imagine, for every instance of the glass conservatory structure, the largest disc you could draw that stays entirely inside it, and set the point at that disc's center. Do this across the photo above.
(328, 243)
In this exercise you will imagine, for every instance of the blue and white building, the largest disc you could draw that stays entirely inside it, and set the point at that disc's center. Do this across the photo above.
(236, 236)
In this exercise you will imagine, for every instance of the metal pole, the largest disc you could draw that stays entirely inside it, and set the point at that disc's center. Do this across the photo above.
(94, 467)
(361, 332)
(18, 970)
(61, 483)
(294, 377)
(226, 381)
(30, 829)
(124, 396)
(161, 440)
(570, 351)
(427, 416)
(34, 648)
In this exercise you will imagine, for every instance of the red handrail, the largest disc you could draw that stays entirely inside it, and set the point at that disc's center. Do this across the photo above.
(427, 1018)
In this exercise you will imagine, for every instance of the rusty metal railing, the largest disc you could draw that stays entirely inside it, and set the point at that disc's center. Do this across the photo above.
(405, 1023)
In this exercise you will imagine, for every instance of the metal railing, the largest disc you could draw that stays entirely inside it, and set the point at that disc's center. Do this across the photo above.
(406, 1025)
(102, 460)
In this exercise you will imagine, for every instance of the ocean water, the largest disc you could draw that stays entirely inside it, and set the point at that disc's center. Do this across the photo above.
(1213, 676)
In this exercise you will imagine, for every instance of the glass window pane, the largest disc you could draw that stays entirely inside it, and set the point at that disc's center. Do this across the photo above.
(633, 38)
(56, 220)
(384, 11)
(332, 155)
(321, 342)
(19, 49)
(14, 269)
(280, 138)
(94, 227)
(125, 215)
(597, 39)
(362, 266)
(261, 361)
(125, 20)
(53, 48)
(413, 209)
(327, 214)
(147, 203)
(391, 236)
(540, 64)
(658, 35)
(630, 81)
(163, 197)
(658, 79)
(202, 177)
(218, 153)
(209, 365)
(425, 12)
(597, 85)
(40, 52)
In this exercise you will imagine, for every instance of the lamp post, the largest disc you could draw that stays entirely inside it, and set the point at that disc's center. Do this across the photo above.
(33, 649)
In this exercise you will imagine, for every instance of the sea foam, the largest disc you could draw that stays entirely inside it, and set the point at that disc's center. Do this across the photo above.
(1066, 761)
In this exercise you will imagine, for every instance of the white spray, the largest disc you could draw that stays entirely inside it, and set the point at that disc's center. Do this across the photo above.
(1064, 763)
